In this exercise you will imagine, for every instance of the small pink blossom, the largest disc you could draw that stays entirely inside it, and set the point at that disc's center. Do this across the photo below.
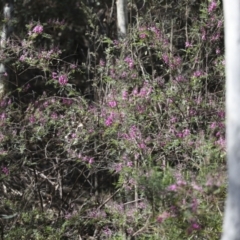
(102, 63)
(109, 120)
(130, 62)
(73, 66)
(22, 58)
(165, 58)
(196, 187)
(221, 114)
(38, 29)
(186, 132)
(112, 104)
(197, 73)
(129, 164)
(220, 23)
(54, 75)
(213, 125)
(212, 6)
(5, 170)
(221, 142)
(180, 78)
(90, 161)
(188, 44)
(142, 35)
(181, 182)
(32, 119)
(107, 232)
(3, 116)
(142, 146)
(54, 116)
(177, 61)
(172, 187)
(62, 79)
(193, 227)
(135, 91)
(173, 120)
(118, 167)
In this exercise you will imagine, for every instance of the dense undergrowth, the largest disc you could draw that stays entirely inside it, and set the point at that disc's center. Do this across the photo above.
(143, 157)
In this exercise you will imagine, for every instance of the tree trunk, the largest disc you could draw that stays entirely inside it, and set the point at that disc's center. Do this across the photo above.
(122, 18)
(6, 29)
(231, 226)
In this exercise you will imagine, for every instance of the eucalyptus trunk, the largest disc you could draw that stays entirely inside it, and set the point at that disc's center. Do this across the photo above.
(6, 30)
(122, 18)
(231, 225)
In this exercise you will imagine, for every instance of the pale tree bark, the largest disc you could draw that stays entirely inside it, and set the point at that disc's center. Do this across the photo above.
(6, 29)
(122, 18)
(231, 225)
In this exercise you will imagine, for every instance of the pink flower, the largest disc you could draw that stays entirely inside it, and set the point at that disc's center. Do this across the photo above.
(54, 116)
(221, 114)
(112, 104)
(193, 227)
(129, 164)
(38, 29)
(90, 161)
(165, 58)
(177, 61)
(22, 58)
(142, 35)
(188, 44)
(115, 42)
(62, 79)
(196, 187)
(3, 116)
(173, 120)
(135, 91)
(130, 62)
(213, 125)
(118, 167)
(220, 23)
(181, 182)
(32, 119)
(107, 232)
(142, 146)
(102, 63)
(197, 73)
(54, 75)
(212, 6)
(109, 120)
(179, 78)
(5, 170)
(221, 142)
(172, 187)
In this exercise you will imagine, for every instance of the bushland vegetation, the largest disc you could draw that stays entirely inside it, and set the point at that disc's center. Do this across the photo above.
(109, 139)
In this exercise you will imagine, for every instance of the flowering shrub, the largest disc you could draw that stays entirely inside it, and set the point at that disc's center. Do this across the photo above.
(143, 159)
